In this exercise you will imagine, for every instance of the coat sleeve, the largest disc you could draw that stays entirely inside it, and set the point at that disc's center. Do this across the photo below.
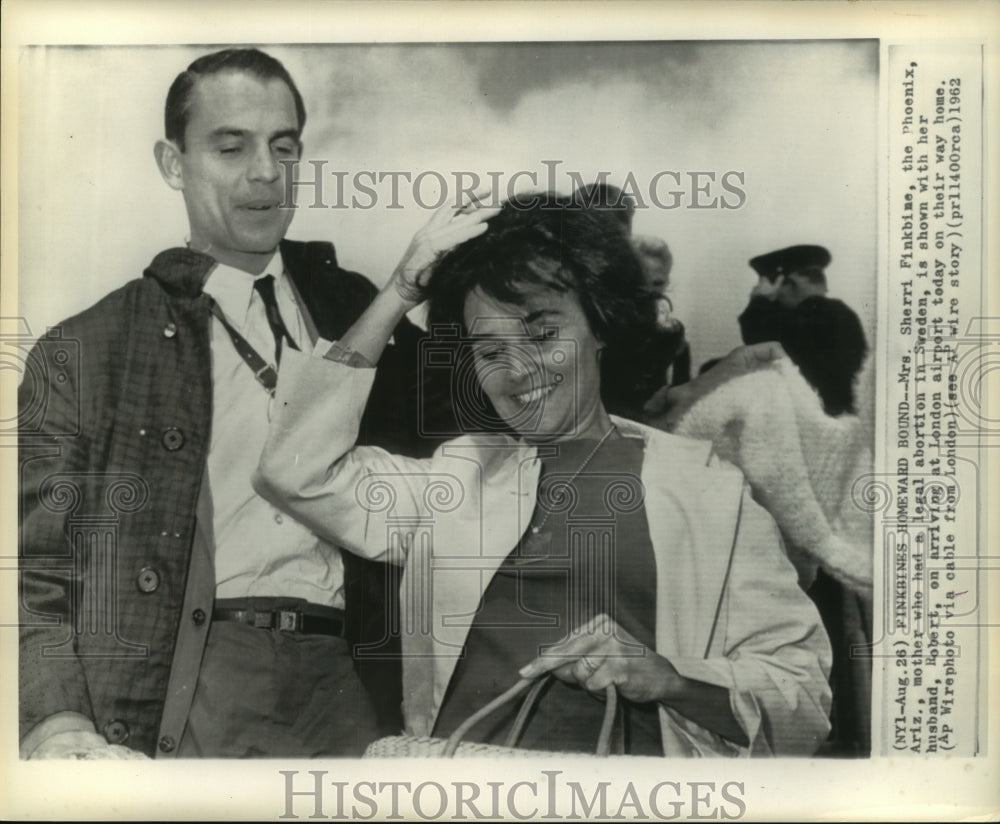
(768, 648)
(353, 496)
(51, 444)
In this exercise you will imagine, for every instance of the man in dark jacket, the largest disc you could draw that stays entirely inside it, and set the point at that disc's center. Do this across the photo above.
(166, 609)
(821, 335)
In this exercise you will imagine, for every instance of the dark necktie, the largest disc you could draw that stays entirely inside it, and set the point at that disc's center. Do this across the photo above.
(265, 286)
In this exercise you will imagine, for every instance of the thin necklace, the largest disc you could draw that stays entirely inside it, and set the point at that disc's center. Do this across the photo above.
(537, 528)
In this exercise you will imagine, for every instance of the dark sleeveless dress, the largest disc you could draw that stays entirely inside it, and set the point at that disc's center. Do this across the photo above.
(592, 555)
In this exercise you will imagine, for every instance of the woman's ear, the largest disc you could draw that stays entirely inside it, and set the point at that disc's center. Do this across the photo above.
(168, 161)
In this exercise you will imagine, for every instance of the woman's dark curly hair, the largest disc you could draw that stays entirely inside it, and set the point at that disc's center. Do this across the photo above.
(553, 242)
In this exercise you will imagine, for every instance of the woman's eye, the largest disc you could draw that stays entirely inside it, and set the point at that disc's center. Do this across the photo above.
(229, 150)
(488, 354)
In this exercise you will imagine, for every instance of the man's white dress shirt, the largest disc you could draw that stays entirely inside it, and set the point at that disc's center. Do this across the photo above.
(259, 551)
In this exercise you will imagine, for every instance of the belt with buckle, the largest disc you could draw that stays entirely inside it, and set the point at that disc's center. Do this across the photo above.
(305, 619)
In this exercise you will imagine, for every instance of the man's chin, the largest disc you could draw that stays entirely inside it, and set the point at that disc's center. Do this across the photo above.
(262, 242)
(260, 246)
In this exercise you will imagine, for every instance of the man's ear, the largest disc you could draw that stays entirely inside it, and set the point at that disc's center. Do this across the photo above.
(168, 161)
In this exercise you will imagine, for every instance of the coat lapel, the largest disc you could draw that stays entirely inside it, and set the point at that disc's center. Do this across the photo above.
(692, 524)
(441, 592)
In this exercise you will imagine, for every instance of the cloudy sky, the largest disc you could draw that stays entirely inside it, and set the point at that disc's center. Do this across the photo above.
(797, 119)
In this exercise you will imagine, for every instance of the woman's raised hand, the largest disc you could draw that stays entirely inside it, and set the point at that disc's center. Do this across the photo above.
(447, 228)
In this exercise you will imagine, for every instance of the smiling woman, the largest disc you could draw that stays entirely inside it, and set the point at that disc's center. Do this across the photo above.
(555, 295)
(572, 541)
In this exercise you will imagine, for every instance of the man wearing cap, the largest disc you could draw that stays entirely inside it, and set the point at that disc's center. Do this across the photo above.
(166, 609)
(822, 335)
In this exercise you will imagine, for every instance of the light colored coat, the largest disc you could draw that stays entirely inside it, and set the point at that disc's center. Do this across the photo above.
(729, 611)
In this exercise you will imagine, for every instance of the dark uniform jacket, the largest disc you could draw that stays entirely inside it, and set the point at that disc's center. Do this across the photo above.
(821, 335)
(117, 581)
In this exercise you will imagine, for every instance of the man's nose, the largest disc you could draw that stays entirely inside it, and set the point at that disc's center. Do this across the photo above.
(264, 168)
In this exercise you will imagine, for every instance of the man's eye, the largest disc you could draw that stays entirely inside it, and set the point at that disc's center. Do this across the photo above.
(229, 150)
(548, 333)
(286, 150)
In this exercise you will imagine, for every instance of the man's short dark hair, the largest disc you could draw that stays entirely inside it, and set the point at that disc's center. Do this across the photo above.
(250, 61)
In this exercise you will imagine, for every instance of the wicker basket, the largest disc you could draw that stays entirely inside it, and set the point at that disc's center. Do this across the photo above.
(411, 746)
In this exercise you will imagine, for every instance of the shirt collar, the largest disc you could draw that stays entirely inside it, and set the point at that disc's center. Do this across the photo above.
(232, 288)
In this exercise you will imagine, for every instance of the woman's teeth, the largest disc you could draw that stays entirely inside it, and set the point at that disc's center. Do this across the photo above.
(533, 395)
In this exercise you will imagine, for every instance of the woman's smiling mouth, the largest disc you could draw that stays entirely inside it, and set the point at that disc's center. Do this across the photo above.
(533, 395)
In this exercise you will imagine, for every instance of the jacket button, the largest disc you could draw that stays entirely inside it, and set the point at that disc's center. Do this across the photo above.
(198, 616)
(173, 439)
(169, 330)
(148, 580)
(167, 744)
(116, 731)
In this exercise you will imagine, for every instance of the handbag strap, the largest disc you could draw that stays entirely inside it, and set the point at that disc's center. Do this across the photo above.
(603, 739)
(522, 714)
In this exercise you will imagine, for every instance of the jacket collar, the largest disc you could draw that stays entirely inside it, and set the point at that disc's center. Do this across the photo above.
(182, 271)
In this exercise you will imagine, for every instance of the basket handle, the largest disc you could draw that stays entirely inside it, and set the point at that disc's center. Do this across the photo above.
(603, 738)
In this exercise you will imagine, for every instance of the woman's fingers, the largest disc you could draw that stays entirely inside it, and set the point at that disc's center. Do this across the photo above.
(604, 677)
(446, 229)
(599, 654)
(585, 642)
(594, 671)
(461, 228)
(473, 206)
(566, 654)
(479, 199)
(557, 658)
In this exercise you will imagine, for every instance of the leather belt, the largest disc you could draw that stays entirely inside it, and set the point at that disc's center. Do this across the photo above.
(305, 620)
